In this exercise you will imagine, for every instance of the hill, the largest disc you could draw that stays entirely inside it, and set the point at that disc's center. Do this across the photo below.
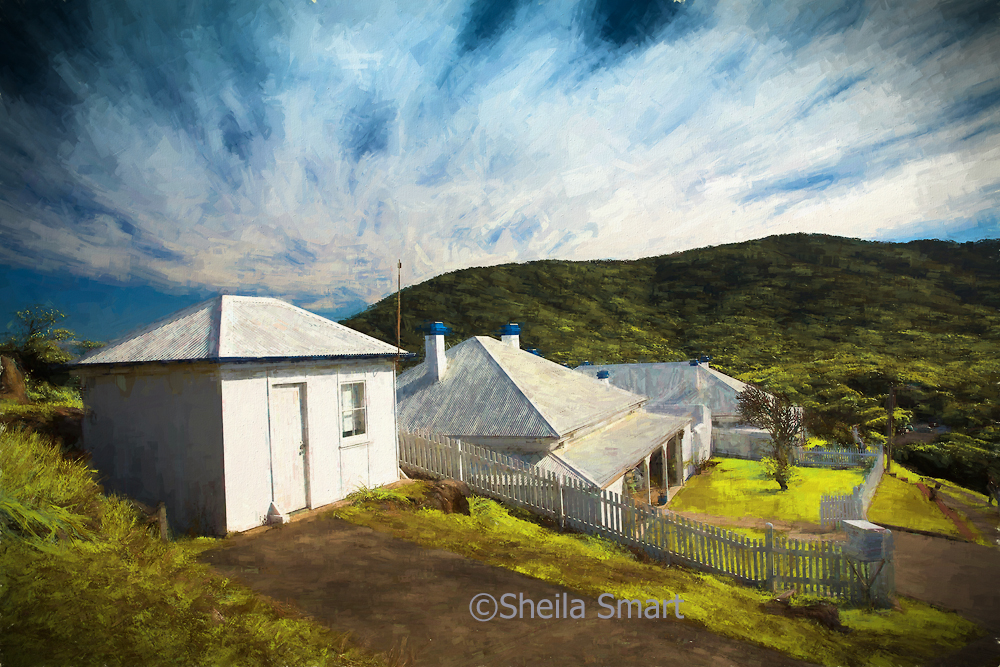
(830, 321)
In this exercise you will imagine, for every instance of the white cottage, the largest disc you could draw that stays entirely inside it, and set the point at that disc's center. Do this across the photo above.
(692, 388)
(238, 408)
(493, 394)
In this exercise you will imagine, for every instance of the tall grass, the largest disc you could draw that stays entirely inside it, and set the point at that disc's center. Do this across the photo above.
(83, 581)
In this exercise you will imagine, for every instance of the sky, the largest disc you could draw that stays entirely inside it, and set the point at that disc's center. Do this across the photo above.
(155, 153)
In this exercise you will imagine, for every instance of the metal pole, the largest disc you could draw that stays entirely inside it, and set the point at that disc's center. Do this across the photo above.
(399, 311)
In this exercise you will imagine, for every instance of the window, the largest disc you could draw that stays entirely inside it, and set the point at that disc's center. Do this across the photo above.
(352, 408)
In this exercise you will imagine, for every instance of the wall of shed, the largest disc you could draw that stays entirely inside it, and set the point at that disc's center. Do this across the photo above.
(741, 442)
(155, 434)
(247, 431)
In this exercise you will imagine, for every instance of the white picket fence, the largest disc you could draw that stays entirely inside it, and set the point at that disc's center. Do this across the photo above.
(833, 458)
(774, 563)
(852, 506)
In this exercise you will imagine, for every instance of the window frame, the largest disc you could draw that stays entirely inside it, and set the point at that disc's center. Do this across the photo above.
(363, 408)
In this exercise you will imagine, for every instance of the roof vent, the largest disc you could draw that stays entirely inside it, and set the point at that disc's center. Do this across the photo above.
(693, 362)
(604, 376)
(511, 334)
(586, 363)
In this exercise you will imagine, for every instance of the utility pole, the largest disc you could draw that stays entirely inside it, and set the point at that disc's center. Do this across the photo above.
(890, 406)
(399, 310)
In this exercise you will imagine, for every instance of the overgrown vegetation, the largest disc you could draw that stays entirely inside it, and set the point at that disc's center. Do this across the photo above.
(591, 566)
(83, 581)
(830, 322)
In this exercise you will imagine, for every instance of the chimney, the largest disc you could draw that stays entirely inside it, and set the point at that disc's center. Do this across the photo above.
(604, 377)
(511, 334)
(434, 357)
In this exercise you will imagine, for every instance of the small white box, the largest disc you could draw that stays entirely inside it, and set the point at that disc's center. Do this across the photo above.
(864, 540)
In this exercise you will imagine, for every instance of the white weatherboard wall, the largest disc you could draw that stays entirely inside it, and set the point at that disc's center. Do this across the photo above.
(155, 434)
(371, 458)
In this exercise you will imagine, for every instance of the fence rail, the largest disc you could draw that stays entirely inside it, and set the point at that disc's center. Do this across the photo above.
(834, 458)
(774, 562)
(852, 506)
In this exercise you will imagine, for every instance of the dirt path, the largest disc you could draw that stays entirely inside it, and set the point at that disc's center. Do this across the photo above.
(385, 590)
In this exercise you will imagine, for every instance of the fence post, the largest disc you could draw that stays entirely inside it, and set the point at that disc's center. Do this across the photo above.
(769, 557)
(161, 516)
(461, 459)
(562, 504)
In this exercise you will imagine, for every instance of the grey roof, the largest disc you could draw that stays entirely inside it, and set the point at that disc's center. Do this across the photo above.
(675, 384)
(238, 328)
(604, 455)
(491, 389)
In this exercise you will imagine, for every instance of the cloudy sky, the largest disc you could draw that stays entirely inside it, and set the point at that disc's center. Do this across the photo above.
(297, 148)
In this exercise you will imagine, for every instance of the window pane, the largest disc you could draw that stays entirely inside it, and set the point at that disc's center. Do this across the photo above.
(359, 395)
(359, 421)
(348, 423)
(346, 397)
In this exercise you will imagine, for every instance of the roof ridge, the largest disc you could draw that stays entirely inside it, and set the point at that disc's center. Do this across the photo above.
(520, 389)
(152, 326)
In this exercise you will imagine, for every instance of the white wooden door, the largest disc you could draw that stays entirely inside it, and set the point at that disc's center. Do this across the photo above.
(354, 472)
(288, 447)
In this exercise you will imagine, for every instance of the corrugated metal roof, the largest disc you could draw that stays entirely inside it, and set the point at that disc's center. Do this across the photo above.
(604, 455)
(675, 384)
(491, 389)
(238, 327)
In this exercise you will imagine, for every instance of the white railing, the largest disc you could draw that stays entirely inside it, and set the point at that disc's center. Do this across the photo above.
(833, 458)
(852, 506)
(774, 562)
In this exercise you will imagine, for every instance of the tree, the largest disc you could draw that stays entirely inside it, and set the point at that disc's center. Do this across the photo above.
(783, 422)
(39, 345)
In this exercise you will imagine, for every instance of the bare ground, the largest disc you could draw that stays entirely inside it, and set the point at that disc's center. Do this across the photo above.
(388, 591)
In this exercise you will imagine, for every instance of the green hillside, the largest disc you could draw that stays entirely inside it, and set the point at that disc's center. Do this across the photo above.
(831, 321)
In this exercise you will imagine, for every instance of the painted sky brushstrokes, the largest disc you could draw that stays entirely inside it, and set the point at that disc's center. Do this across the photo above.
(297, 148)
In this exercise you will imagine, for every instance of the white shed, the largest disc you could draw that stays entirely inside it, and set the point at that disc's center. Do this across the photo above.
(238, 406)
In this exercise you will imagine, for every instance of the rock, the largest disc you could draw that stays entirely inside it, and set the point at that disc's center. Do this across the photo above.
(824, 613)
(449, 496)
(12, 386)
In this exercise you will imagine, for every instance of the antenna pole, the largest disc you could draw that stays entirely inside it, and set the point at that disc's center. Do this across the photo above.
(399, 311)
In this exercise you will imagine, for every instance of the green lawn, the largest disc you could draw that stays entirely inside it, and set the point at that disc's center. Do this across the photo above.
(592, 566)
(737, 488)
(900, 503)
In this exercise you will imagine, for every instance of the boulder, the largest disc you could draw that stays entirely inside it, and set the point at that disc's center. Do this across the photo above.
(12, 386)
(448, 495)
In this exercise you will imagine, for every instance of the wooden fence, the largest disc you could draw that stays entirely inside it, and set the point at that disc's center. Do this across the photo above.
(835, 508)
(833, 458)
(774, 562)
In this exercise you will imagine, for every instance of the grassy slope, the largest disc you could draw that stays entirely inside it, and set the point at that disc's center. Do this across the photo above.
(830, 320)
(737, 488)
(119, 596)
(593, 566)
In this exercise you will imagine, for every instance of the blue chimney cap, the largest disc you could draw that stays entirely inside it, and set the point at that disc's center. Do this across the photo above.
(437, 329)
(705, 359)
(510, 330)
(603, 375)
(693, 362)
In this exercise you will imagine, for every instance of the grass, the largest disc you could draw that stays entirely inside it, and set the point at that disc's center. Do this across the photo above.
(737, 488)
(899, 502)
(591, 566)
(119, 596)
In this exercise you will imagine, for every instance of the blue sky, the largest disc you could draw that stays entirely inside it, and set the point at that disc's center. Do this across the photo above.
(151, 155)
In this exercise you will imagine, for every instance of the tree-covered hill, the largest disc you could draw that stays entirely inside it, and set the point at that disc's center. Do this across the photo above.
(831, 321)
